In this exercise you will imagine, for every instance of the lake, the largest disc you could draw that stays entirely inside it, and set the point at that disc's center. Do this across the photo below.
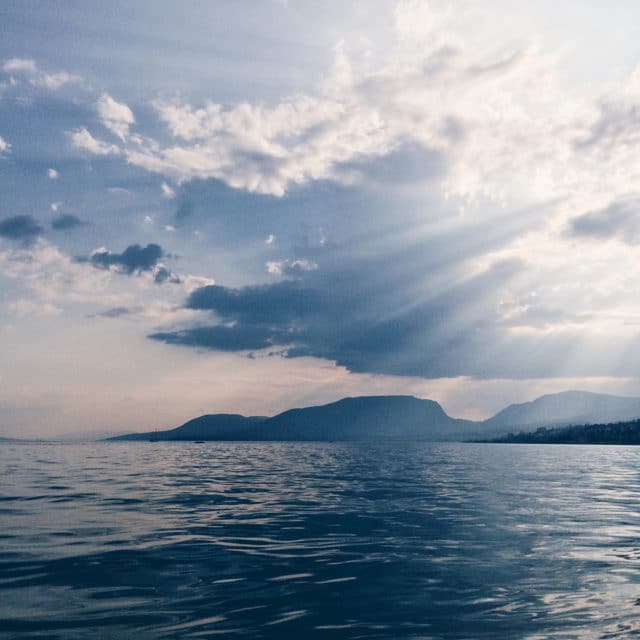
(305, 541)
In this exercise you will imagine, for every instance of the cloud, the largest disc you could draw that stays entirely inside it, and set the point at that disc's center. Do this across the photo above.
(475, 120)
(134, 259)
(290, 267)
(53, 277)
(274, 267)
(280, 302)
(434, 111)
(114, 312)
(413, 295)
(23, 228)
(55, 81)
(5, 147)
(619, 220)
(461, 128)
(53, 174)
(159, 311)
(36, 76)
(66, 222)
(254, 148)
(115, 116)
(363, 324)
(224, 338)
(162, 274)
(82, 139)
(417, 303)
(22, 65)
(167, 191)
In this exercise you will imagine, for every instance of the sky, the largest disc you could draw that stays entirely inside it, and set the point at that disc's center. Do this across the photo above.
(248, 206)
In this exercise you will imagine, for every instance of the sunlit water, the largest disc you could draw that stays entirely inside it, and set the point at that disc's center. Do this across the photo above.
(279, 540)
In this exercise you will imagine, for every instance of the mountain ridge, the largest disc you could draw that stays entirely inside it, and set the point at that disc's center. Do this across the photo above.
(566, 408)
(352, 418)
(400, 417)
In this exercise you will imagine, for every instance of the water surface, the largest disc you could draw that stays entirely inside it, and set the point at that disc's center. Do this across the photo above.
(285, 540)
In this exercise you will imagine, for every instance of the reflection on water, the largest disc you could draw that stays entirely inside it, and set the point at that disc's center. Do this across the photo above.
(281, 540)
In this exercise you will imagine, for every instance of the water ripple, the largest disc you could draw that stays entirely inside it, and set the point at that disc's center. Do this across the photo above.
(274, 540)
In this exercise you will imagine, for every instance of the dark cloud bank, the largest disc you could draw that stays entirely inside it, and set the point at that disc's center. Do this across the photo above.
(66, 222)
(20, 228)
(414, 309)
(395, 294)
(134, 259)
(366, 318)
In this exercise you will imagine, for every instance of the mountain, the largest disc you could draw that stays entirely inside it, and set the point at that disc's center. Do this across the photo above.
(367, 417)
(219, 426)
(401, 417)
(566, 408)
(361, 418)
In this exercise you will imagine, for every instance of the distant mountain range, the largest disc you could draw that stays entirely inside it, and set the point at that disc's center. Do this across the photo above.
(401, 417)
(568, 407)
(361, 418)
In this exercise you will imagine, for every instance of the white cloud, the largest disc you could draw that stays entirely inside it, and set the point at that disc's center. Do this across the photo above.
(290, 267)
(190, 282)
(20, 65)
(53, 174)
(37, 77)
(55, 206)
(506, 132)
(169, 228)
(303, 265)
(55, 80)
(5, 147)
(54, 277)
(270, 239)
(167, 191)
(495, 120)
(148, 220)
(120, 191)
(82, 139)
(50, 279)
(116, 116)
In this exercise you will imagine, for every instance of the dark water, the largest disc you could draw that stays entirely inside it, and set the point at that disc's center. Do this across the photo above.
(184, 540)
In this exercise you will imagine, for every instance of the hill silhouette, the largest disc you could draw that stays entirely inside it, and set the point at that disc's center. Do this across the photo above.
(359, 418)
(566, 408)
(401, 417)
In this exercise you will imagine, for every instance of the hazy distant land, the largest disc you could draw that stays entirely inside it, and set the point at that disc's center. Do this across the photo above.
(609, 433)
